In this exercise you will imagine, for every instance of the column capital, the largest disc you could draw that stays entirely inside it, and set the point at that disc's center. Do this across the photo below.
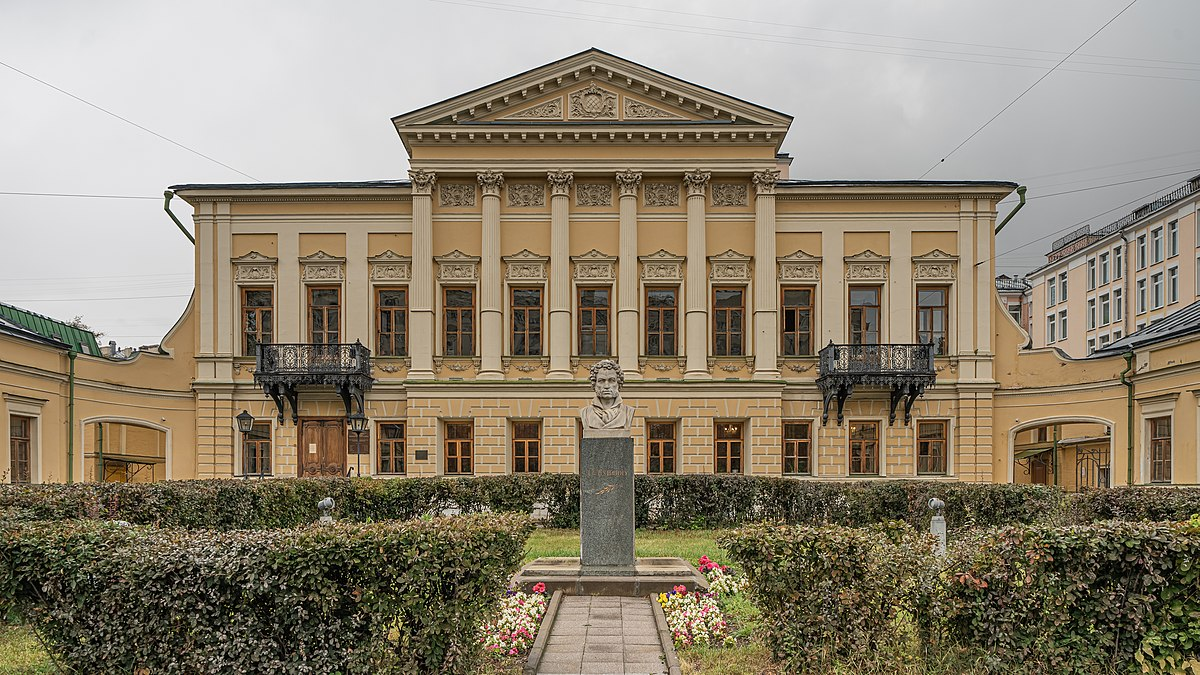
(422, 181)
(629, 181)
(764, 181)
(696, 182)
(491, 182)
(560, 182)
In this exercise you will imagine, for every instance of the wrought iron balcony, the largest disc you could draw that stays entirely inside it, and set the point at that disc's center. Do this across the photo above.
(280, 368)
(904, 369)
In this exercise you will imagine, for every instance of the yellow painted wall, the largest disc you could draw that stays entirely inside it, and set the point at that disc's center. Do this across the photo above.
(925, 242)
(266, 244)
(396, 242)
(332, 243)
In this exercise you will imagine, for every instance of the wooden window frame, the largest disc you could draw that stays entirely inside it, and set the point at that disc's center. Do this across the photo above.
(21, 450)
(660, 451)
(256, 450)
(878, 306)
(945, 332)
(464, 450)
(939, 461)
(394, 450)
(527, 310)
(259, 312)
(862, 456)
(1161, 449)
(797, 449)
(393, 337)
(312, 336)
(580, 310)
(459, 333)
(729, 333)
(796, 334)
(730, 450)
(527, 450)
(661, 312)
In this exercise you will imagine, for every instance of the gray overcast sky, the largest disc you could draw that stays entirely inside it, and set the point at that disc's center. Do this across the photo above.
(302, 90)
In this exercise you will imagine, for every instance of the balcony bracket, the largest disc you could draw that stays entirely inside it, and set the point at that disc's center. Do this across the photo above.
(283, 394)
(281, 369)
(904, 370)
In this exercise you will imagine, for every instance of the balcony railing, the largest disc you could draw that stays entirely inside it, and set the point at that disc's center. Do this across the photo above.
(281, 368)
(904, 369)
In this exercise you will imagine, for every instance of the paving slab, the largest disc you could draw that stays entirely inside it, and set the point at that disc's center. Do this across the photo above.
(605, 635)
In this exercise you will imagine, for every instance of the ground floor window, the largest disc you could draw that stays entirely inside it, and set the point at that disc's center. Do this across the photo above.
(660, 447)
(256, 451)
(1160, 450)
(797, 448)
(390, 447)
(527, 444)
(728, 449)
(931, 446)
(864, 448)
(20, 448)
(458, 449)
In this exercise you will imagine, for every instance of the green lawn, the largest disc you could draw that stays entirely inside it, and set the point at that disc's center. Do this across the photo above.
(20, 652)
(686, 544)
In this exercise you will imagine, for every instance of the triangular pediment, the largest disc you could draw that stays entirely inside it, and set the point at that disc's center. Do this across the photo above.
(936, 255)
(867, 256)
(589, 87)
(799, 255)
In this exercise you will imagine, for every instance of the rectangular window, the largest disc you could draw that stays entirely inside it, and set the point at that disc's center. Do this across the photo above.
(458, 321)
(1118, 262)
(1091, 267)
(1172, 238)
(527, 447)
(864, 315)
(660, 448)
(729, 321)
(459, 449)
(324, 315)
(728, 449)
(20, 448)
(1014, 310)
(662, 314)
(390, 448)
(1051, 293)
(797, 448)
(933, 309)
(1062, 325)
(864, 448)
(258, 319)
(1118, 305)
(526, 322)
(1116, 335)
(1104, 341)
(1141, 252)
(1104, 267)
(391, 322)
(1156, 244)
(797, 321)
(1091, 319)
(1091, 345)
(1141, 296)
(1051, 329)
(1156, 290)
(931, 446)
(593, 321)
(1172, 284)
(1105, 310)
(1062, 287)
(1160, 450)
(256, 451)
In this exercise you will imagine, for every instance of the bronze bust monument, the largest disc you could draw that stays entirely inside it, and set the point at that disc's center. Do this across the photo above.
(607, 411)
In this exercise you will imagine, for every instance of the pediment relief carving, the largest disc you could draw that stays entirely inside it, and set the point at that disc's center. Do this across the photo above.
(729, 266)
(799, 266)
(662, 266)
(592, 103)
(546, 110)
(594, 266)
(457, 266)
(321, 266)
(867, 266)
(525, 266)
(254, 266)
(937, 265)
(390, 266)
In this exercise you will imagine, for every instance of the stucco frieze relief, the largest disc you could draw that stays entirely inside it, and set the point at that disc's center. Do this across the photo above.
(321, 266)
(560, 182)
(526, 194)
(254, 266)
(593, 194)
(696, 182)
(662, 266)
(661, 194)
(525, 266)
(628, 182)
(550, 110)
(456, 194)
(592, 103)
(799, 266)
(422, 181)
(491, 182)
(764, 181)
(867, 266)
(937, 265)
(390, 266)
(594, 266)
(636, 110)
(729, 266)
(730, 194)
(457, 266)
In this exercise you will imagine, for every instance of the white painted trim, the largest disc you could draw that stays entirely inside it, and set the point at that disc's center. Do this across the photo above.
(1064, 419)
(131, 421)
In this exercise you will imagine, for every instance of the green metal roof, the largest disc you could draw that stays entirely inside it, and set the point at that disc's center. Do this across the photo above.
(82, 340)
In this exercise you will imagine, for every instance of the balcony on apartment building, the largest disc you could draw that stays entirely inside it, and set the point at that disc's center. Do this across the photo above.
(281, 369)
(904, 369)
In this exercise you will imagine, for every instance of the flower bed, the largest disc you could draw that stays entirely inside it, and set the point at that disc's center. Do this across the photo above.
(696, 618)
(516, 625)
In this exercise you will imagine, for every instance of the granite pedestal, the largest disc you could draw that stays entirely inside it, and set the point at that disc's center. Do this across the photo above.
(606, 504)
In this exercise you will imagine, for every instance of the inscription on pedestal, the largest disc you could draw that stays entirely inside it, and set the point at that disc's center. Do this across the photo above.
(606, 505)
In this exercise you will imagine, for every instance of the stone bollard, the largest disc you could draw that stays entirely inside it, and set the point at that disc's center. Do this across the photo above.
(325, 508)
(937, 525)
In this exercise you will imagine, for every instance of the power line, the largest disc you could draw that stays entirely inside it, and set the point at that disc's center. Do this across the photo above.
(128, 121)
(104, 276)
(1028, 89)
(129, 297)
(1108, 166)
(64, 194)
(1097, 187)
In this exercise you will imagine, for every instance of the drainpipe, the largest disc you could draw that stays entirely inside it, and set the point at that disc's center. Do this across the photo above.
(1020, 193)
(71, 418)
(167, 207)
(1129, 419)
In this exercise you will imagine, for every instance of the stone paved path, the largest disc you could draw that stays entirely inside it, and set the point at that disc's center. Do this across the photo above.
(603, 635)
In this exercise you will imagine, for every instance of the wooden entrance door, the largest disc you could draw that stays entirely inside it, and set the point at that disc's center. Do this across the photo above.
(322, 447)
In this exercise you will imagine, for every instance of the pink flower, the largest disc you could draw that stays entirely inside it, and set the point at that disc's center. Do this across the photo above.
(539, 587)
(681, 589)
(704, 560)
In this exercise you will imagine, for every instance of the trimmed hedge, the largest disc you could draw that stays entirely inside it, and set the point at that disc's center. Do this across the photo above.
(674, 502)
(351, 598)
(1081, 599)
(1134, 503)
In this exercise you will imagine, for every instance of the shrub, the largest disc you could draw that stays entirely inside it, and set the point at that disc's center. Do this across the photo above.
(831, 592)
(1133, 503)
(351, 598)
(1094, 598)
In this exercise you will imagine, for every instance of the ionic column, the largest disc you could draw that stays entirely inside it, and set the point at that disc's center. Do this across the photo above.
(766, 318)
(560, 275)
(491, 309)
(420, 309)
(697, 287)
(628, 321)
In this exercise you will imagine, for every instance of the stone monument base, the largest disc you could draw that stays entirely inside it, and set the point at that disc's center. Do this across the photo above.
(647, 576)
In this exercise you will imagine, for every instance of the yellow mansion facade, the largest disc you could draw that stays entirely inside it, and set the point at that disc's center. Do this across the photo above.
(595, 208)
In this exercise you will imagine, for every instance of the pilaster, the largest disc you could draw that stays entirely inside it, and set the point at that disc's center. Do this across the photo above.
(421, 290)
(628, 319)
(766, 287)
(491, 312)
(560, 277)
(696, 323)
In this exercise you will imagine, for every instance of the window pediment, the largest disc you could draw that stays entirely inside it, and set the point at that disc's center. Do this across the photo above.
(254, 266)
(321, 266)
(867, 266)
(594, 266)
(457, 266)
(525, 266)
(937, 265)
(729, 266)
(390, 266)
(799, 266)
(662, 266)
